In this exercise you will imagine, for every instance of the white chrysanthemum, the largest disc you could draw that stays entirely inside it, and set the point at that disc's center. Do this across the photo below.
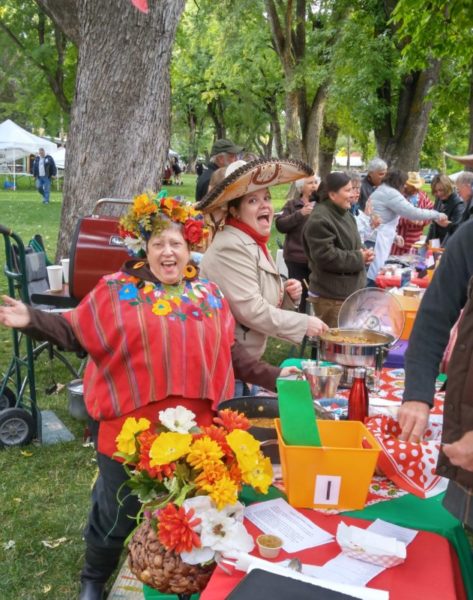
(134, 244)
(224, 534)
(179, 419)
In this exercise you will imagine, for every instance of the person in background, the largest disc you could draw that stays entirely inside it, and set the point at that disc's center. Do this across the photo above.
(176, 169)
(157, 337)
(291, 221)
(355, 179)
(223, 153)
(439, 310)
(333, 245)
(447, 201)
(464, 185)
(199, 168)
(367, 223)
(410, 231)
(377, 169)
(44, 169)
(389, 204)
(239, 260)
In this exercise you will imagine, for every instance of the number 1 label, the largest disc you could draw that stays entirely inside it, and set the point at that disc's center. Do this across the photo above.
(327, 489)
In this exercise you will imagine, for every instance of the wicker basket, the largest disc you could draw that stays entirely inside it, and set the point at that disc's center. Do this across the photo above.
(162, 569)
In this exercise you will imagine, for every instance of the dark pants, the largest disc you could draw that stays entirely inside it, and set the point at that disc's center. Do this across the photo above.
(301, 272)
(111, 519)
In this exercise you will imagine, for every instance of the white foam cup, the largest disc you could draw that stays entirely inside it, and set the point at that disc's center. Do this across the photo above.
(65, 269)
(55, 277)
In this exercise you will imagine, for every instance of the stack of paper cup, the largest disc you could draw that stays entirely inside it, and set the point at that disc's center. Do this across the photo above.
(65, 269)
(55, 277)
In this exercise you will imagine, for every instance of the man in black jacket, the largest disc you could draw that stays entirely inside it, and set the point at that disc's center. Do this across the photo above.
(44, 168)
(222, 154)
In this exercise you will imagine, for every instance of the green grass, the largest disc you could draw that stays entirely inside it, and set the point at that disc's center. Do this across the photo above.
(45, 489)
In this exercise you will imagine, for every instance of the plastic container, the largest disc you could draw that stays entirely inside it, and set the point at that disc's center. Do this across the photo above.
(336, 475)
(75, 393)
(410, 306)
(269, 546)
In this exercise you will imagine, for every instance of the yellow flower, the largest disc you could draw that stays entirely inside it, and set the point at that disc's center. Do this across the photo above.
(143, 205)
(167, 205)
(162, 307)
(190, 272)
(243, 444)
(223, 492)
(213, 471)
(126, 438)
(148, 288)
(168, 447)
(203, 451)
(179, 213)
(260, 476)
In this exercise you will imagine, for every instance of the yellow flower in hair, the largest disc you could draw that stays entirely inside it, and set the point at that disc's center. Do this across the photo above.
(167, 205)
(179, 213)
(143, 205)
(168, 447)
(126, 438)
(161, 307)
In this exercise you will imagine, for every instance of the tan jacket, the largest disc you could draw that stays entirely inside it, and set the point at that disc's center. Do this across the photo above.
(254, 290)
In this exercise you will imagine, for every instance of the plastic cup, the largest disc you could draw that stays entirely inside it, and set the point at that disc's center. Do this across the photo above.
(55, 278)
(65, 269)
(269, 546)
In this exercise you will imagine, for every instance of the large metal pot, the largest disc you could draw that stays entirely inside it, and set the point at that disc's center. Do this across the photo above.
(369, 353)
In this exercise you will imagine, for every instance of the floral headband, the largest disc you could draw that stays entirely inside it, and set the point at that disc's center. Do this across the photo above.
(150, 216)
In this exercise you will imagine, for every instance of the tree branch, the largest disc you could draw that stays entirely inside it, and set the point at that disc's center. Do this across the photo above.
(65, 14)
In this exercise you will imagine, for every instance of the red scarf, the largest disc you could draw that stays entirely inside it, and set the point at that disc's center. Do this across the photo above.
(261, 240)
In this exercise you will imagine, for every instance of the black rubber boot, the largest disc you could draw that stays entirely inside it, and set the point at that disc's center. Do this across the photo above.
(91, 590)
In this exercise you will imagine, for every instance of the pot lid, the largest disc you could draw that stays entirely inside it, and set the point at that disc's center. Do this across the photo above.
(375, 309)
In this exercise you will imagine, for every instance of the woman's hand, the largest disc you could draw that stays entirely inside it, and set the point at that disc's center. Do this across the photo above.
(460, 453)
(14, 313)
(316, 327)
(294, 290)
(413, 418)
(375, 221)
(443, 221)
(286, 371)
(307, 208)
(368, 255)
(399, 241)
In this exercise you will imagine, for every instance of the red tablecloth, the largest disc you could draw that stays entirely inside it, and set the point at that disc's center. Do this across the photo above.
(431, 569)
(384, 281)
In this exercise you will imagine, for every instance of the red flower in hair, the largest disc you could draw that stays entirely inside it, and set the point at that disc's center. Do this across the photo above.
(176, 529)
(231, 420)
(194, 231)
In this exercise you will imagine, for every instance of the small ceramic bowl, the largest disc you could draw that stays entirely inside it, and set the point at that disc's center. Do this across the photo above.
(269, 546)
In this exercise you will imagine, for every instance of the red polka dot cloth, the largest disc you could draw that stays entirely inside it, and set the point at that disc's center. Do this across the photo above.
(410, 466)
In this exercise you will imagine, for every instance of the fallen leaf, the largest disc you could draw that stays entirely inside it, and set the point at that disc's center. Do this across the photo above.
(9, 545)
(47, 589)
(17, 500)
(26, 453)
(53, 543)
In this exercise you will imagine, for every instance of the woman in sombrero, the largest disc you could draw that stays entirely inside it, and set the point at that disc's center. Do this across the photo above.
(239, 261)
(157, 337)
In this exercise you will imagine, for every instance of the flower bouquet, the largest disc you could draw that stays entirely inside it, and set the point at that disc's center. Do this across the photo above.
(187, 479)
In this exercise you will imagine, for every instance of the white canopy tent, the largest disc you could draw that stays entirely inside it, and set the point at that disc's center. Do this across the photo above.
(16, 142)
(59, 157)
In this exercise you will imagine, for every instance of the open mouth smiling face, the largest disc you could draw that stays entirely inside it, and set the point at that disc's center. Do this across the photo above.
(168, 255)
(256, 210)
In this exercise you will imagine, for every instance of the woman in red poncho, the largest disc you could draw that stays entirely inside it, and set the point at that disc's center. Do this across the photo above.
(157, 336)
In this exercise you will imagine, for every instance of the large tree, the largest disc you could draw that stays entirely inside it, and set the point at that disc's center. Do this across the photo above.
(119, 133)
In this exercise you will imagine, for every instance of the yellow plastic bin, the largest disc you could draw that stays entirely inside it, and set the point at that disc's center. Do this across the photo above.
(410, 306)
(336, 475)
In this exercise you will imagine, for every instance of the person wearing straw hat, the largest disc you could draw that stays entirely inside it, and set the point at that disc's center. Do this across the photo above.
(239, 261)
(410, 231)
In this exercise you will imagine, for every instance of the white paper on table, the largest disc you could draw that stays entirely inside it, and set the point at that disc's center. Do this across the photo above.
(403, 534)
(352, 590)
(369, 543)
(343, 569)
(279, 518)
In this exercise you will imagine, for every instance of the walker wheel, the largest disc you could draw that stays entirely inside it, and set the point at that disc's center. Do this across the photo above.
(16, 427)
(7, 399)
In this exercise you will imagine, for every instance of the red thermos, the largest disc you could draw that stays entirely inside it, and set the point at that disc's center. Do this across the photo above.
(358, 399)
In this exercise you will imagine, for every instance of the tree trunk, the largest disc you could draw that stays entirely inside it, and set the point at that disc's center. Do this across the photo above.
(470, 107)
(401, 148)
(328, 143)
(192, 139)
(217, 113)
(314, 123)
(276, 130)
(120, 121)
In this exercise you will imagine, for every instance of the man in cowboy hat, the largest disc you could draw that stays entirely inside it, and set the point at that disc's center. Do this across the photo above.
(410, 231)
(223, 153)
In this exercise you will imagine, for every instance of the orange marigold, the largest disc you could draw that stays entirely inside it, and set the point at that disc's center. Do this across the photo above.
(231, 419)
(218, 434)
(176, 529)
(212, 472)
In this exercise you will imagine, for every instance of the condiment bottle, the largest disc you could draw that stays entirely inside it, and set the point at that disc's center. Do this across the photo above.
(358, 399)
